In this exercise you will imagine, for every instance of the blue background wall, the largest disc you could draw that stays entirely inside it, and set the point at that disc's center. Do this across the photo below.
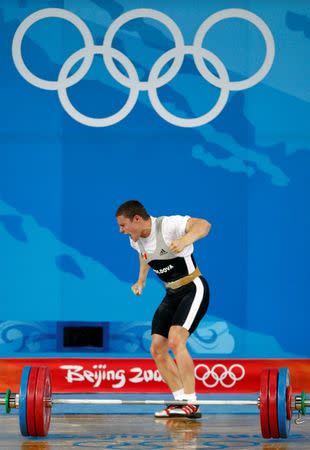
(246, 171)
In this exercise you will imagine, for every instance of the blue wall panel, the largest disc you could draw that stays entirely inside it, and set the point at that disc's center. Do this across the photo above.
(246, 169)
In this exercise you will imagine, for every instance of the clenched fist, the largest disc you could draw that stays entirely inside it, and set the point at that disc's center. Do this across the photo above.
(177, 246)
(137, 288)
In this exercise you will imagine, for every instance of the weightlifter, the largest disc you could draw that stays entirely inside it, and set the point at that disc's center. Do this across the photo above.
(166, 245)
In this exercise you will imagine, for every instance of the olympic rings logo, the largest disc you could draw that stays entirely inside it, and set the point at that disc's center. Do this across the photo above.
(218, 374)
(155, 80)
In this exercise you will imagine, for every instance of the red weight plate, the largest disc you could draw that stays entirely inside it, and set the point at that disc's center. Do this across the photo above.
(42, 409)
(263, 404)
(31, 389)
(273, 403)
(288, 402)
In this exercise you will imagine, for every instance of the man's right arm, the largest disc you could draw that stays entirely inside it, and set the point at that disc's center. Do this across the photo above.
(138, 287)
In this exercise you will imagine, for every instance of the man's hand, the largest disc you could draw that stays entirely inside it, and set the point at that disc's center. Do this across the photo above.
(137, 288)
(177, 246)
(195, 229)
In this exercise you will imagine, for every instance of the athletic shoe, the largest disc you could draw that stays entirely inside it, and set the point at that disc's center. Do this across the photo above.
(187, 410)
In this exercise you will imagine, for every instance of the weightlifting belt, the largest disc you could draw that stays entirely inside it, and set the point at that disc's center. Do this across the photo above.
(184, 280)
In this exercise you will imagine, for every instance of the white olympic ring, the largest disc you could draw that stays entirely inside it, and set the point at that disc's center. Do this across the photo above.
(219, 372)
(17, 47)
(215, 111)
(155, 80)
(103, 122)
(255, 20)
(160, 17)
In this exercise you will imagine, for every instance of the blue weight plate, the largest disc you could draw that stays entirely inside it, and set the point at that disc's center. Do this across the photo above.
(23, 401)
(284, 381)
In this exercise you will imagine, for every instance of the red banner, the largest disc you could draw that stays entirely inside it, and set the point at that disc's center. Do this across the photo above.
(141, 375)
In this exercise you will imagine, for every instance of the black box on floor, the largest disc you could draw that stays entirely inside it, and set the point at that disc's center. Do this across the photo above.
(82, 336)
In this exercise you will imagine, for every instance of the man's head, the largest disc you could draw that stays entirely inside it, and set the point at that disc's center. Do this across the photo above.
(133, 219)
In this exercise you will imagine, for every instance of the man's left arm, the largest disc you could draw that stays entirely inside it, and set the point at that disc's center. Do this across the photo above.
(195, 229)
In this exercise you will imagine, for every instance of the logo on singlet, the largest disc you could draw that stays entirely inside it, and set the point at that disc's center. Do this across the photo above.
(163, 252)
(164, 269)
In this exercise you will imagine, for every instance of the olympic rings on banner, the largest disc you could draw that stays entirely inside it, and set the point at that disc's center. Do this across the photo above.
(219, 373)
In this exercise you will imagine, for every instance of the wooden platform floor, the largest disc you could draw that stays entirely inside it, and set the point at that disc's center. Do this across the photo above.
(134, 432)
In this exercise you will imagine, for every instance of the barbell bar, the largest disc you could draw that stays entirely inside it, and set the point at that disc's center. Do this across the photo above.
(275, 402)
(14, 402)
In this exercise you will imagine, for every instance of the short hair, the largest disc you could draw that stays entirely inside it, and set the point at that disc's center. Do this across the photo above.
(132, 208)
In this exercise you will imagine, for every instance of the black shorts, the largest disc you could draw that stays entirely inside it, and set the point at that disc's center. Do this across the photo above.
(184, 306)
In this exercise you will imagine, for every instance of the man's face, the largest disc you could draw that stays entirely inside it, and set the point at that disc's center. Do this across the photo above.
(133, 226)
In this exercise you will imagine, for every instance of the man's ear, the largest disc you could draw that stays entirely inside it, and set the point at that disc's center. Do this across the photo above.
(136, 218)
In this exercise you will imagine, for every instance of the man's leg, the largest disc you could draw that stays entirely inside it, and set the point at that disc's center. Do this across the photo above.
(165, 364)
(177, 342)
(179, 375)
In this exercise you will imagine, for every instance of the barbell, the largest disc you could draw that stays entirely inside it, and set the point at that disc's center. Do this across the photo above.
(276, 402)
